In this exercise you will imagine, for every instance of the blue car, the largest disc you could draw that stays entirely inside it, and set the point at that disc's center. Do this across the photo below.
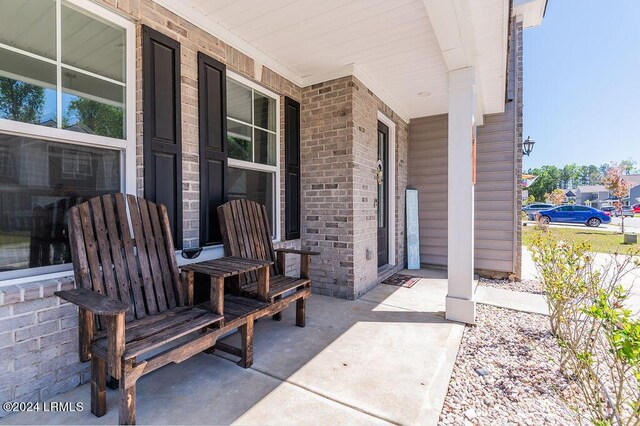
(575, 214)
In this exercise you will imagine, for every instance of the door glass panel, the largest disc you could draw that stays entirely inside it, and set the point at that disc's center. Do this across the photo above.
(92, 45)
(29, 25)
(265, 147)
(264, 112)
(238, 101)
(239, 140)
(380, 176)
(92, 105)
(39, 182)
(252, 185)
(27, 89)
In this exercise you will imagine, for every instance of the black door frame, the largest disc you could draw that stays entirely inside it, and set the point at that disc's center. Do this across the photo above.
(385, 130)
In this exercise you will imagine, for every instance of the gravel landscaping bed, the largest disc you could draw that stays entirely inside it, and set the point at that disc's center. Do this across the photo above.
(506, 373)
(527, 286)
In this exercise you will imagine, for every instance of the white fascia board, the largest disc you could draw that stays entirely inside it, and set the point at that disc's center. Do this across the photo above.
(532, 11)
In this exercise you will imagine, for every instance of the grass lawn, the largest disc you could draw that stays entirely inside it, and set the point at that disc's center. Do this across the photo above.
(602, 242)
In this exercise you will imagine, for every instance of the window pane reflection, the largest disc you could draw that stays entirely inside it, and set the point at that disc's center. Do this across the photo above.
(39, 182)
(239, 140)
(265, 147)
(27, 89)
(92, 105)
(252, 185)
(238, 101)
(29, 25)
(92, 45)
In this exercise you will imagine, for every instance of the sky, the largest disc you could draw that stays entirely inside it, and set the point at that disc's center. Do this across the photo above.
(582, 83)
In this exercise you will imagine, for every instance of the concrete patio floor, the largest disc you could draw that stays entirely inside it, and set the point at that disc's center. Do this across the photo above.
(385, 358)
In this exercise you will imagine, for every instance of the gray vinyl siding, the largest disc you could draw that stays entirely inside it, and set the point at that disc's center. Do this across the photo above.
(494, 191)
(497, 190)
(428, 174)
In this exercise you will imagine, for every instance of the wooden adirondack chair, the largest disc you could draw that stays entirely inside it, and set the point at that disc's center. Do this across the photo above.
(246, 233)
(133, 286)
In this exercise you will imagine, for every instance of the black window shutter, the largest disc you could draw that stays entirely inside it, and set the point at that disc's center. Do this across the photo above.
(212, 102)
(292, 168)
(162, 134)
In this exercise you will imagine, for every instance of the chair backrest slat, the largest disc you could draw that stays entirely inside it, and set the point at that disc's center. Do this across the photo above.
(104, 251)
(117, 253)
(153, 255)
(91, 248)
(130, 257)
(246, 233)
(142, 270)
(162, 256)
(143, 258)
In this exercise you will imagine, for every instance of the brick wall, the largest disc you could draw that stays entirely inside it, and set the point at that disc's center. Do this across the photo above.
(339, 187)
(38, 343)
(327, 184)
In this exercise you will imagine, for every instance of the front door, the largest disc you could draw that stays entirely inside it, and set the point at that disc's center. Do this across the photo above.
(383, 194)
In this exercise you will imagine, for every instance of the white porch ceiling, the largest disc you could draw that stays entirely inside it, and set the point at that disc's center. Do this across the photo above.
(389, 44)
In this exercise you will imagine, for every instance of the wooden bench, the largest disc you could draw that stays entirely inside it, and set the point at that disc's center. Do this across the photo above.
(131, 297)
(246, 233)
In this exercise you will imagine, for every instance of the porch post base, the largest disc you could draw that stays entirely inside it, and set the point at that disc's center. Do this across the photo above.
(460, 310)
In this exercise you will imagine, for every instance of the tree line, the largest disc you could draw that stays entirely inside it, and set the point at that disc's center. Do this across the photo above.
(572, 175)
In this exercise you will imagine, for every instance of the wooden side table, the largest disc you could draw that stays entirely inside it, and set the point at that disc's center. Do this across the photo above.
(226, 267)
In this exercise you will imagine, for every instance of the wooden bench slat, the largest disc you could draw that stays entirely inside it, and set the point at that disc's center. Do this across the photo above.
(154, 341)
(278, 285)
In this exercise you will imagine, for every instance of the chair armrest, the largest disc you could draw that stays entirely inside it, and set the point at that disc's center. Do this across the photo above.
(305, 260)
(92, 301)
(300, 252)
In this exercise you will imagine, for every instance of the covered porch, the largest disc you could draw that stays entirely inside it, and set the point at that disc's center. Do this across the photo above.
(320, 374)
(306, 108)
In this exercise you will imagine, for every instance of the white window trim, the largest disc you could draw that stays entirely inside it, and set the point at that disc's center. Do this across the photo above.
(258, 166)
(392, 187)
(126, 146)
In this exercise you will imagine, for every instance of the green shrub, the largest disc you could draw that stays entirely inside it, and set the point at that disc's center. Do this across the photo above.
(598, 336)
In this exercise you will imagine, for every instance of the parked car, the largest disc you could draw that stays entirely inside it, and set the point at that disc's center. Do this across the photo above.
(574, 214)
(627, 211)
(534, 208)
(636, 208)
(608, 210)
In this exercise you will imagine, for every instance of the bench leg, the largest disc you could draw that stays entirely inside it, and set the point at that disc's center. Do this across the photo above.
(278, 315)
(98, 386)
(301, 308)
(127, 396)
(246, 336)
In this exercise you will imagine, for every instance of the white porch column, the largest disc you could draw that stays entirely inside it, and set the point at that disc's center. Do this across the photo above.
(460, 304)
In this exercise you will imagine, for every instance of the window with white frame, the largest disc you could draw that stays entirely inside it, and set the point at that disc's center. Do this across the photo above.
(65, 123)
(252, 143)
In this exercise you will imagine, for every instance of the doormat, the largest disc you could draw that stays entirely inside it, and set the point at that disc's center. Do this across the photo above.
(401, 280)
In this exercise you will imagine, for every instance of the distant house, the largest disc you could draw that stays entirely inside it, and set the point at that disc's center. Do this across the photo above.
(634, 195)
(569, 196)
(634, 192)
(596, 196)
